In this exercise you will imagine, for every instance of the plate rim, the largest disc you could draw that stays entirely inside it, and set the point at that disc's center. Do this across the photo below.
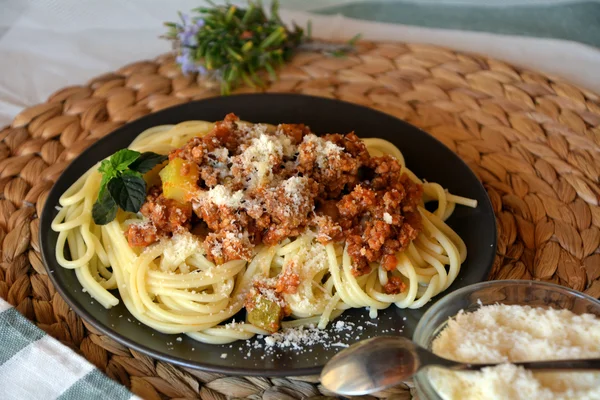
(46, 220)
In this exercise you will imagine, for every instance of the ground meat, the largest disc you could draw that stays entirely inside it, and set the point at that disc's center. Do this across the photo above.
(288, 209)
(296, 132)
(291, 180)
(193, 151)
(224, 133)
(351, 144)
(141, 235)
(389, 261)
(357, 202)
(226, 245)
(360, 255)
(327, 229)
(410, 229)
(388, 222)
(217, 217)
(339, 171)
(232, 234)
(165, 216)
(201, 150)
(387, 170)
(279, 214)
(395, 285)
(288, 280)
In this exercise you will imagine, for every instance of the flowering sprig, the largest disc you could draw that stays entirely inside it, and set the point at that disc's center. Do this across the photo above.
(230, 44)
(186, 36)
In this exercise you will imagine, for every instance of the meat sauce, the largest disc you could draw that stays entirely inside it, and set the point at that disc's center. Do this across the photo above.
(287, 181)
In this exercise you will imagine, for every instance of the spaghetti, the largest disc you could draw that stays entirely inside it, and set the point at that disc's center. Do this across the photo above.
(179, 285)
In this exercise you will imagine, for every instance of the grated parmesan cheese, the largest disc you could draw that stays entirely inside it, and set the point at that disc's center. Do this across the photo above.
(308, 262)
(251, 131)
(217, 248)
(324, 149)
(387, 218)
(219, 160)
(220, 153)
(304, 340)
(262, 154)
(509, 333)
(297, 338)
(178, 249)
(294, 189)
(222, 196)
(293, 185)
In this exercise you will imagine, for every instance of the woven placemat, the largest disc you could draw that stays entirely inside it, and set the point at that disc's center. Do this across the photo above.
(532, 139)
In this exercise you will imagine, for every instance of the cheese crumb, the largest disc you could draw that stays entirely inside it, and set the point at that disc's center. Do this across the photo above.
(294, 189)
(221, 153)
(264, 152)
(324, 149)
(222, 196)
(178, 249)
(297, 338)
(387, 218)
(293, 185)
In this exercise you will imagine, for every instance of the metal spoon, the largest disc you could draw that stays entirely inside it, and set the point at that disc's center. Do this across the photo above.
(383, 362)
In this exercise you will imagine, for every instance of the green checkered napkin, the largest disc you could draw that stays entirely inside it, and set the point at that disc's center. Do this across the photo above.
(35, 366)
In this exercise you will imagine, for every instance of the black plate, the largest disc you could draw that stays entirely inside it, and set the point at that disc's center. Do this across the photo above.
(426, 156)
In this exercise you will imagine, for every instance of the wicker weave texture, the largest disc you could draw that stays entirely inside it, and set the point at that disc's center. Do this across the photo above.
(532, 139)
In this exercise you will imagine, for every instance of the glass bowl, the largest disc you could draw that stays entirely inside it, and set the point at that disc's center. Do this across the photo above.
(512, 292)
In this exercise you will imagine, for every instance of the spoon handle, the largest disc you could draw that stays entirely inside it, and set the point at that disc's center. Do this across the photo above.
(580, 365)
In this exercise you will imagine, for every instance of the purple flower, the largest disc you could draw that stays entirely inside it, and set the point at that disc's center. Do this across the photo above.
(188, 39)
(187, 63)
(189, 30)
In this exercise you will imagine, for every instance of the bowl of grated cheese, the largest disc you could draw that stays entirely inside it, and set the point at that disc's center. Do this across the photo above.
(510, 321)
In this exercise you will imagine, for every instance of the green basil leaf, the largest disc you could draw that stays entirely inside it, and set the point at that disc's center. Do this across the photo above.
(128, 190)
(104, 209)
(146, 161)
(106, 167)
(123, 158)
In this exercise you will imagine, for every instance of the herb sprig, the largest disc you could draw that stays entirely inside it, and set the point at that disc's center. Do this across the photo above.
(122, 185)
(231, 45)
